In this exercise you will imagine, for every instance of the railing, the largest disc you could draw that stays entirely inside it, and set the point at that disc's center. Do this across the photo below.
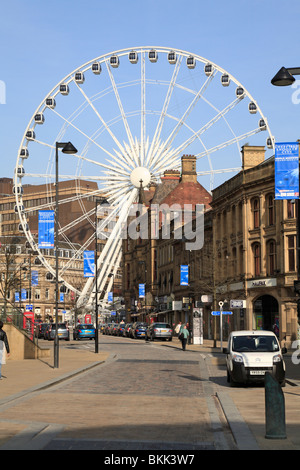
(21, 321)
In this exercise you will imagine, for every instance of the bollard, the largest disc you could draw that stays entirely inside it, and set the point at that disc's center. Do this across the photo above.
(275, 409)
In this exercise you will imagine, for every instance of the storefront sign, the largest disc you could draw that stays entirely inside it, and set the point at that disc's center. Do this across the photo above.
(262, 283)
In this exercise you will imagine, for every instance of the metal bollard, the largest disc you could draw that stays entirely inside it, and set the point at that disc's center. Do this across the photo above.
(274, 409)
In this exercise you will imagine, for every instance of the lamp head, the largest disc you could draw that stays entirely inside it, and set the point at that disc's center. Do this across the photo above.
(69, 148)
(283, 78)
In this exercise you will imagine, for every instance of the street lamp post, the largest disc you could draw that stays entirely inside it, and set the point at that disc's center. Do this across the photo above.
(98, 202)
(69, 149)
(284, 77)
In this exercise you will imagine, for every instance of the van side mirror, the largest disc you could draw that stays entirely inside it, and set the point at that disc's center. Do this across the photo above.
(225, 350)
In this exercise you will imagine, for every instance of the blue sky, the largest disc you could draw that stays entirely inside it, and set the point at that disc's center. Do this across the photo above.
(41, 42)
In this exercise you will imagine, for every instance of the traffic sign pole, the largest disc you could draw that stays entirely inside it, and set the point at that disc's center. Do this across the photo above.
(221, 324)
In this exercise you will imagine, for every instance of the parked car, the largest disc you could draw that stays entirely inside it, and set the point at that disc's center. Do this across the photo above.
(106, 328)
(121, 328)
(250, 354)
(159, 331)
(84, 331)
(62, 331)
(138, 330)
(113, 329)
(40, 329)
(126, 331)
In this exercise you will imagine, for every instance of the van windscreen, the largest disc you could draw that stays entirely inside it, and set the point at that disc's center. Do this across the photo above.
(254, 343)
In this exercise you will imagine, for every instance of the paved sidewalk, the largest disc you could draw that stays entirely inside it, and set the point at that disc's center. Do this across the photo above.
(23, 377)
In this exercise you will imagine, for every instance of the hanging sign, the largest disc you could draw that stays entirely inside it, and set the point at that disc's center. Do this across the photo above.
(46, 229)
(34, 278)
(141, 291)
(287, 170)
(184, 275)
(88, 263)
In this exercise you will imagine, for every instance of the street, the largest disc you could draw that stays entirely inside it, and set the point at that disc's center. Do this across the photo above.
(147, 396)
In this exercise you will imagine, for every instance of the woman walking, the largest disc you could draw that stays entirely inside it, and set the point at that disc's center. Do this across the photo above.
(184, 334)
(4, 347)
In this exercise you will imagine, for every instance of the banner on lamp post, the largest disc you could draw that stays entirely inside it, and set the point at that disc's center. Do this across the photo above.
(141, 291)
(287, 170)
(46, 229)
(88, 263)
(184, 275)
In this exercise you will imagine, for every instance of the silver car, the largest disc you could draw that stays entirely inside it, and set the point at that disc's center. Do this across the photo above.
(159, 331)
(62, 331)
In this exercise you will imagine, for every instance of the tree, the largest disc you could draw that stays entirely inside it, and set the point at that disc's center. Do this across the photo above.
(10, 269)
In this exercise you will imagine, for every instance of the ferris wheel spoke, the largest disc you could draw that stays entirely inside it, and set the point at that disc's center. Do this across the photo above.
(203, 129)
(70, 123)
(110, 245)
(228, 143)
(125, 122)
(143, 109)
(215, 172)
(182, 120)
(163, 114)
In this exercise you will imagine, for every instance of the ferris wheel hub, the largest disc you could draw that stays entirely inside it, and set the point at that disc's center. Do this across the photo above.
(140, 175)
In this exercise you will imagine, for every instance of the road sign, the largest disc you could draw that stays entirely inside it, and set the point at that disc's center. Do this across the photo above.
(216, 312)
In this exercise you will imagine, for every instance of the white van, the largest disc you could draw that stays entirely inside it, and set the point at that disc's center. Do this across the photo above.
(250, 354)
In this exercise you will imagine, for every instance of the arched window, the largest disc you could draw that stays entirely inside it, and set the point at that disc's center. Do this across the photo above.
(256, 212)
(257, 259)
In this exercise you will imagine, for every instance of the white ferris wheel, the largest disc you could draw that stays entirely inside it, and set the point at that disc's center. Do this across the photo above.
(132, 114)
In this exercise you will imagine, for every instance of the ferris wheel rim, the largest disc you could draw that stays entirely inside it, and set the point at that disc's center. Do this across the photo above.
(103, 59)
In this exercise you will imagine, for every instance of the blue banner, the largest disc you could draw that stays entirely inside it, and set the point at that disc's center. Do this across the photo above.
(88, 263)
(141, 291)
(184, 275)
(110, 297)
(17, 296)
(34, 278)
(46, 229)
(287, 170)
(23, 294)
(61, 297)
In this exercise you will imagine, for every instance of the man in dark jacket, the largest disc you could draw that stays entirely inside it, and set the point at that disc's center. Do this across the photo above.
(3, 344)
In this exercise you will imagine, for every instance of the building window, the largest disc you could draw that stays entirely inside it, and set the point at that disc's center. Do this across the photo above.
(37, 294)
(271, 209)
(291, 209)
(256, 213)
(291, 252)
(257, 260)
(271, 252)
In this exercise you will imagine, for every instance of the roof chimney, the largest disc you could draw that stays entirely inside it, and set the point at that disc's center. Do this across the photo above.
(252, 156)
(188, 169)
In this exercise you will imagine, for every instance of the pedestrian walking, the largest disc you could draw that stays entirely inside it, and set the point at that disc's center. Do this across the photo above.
(178, 328)
(4, 347)
(183, 336)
